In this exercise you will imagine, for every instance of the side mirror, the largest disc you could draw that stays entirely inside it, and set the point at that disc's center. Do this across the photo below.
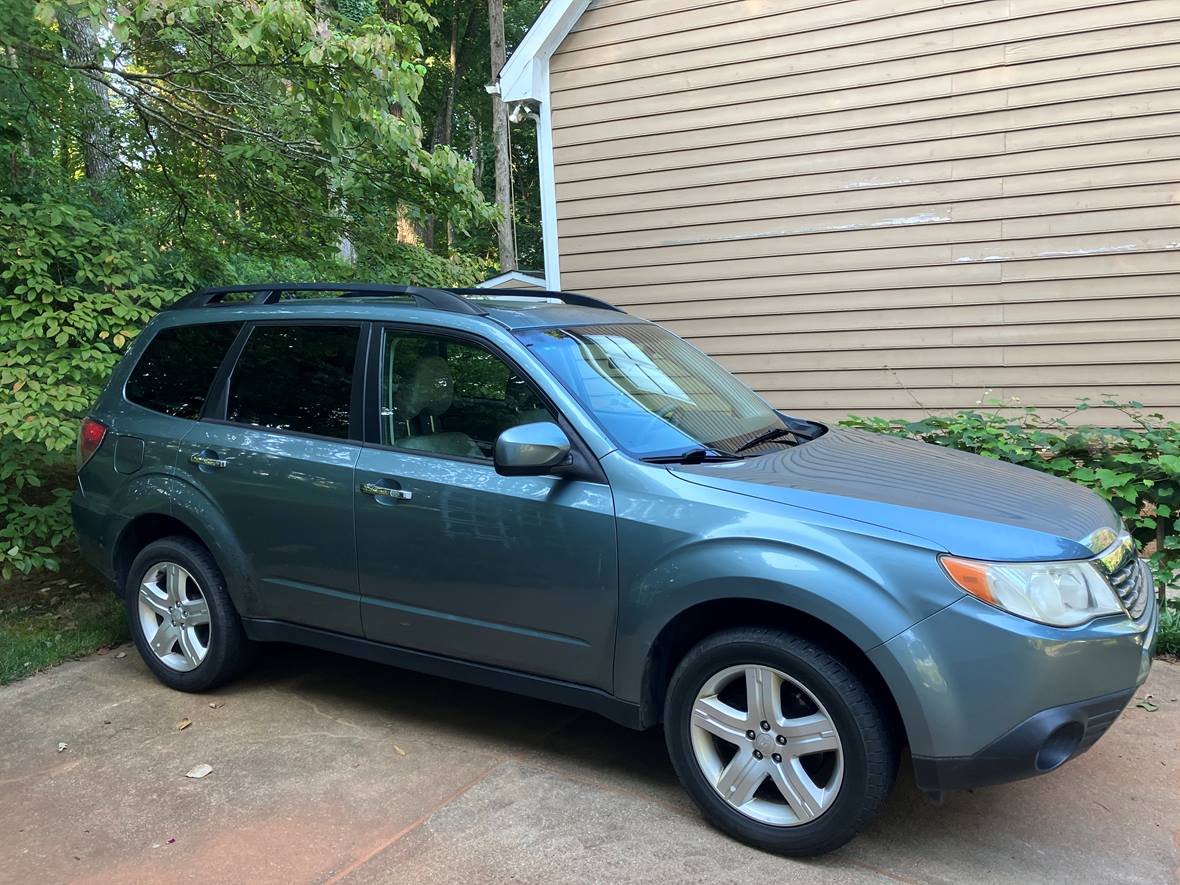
(531, 449)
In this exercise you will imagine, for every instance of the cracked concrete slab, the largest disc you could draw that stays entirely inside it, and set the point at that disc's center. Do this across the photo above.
(327, 769)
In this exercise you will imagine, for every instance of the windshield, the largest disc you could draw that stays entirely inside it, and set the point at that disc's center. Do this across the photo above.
(654, 393)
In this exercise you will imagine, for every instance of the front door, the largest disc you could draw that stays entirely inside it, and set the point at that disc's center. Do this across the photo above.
(276, 458)
(454, 559)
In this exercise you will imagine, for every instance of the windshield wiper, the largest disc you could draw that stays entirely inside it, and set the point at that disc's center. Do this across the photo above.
(775, 434)
(694, 456)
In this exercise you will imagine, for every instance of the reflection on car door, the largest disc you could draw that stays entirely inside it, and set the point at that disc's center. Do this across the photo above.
(454, 559)
(277, 461)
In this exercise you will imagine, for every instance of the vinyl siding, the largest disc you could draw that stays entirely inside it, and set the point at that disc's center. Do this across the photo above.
(884, 206)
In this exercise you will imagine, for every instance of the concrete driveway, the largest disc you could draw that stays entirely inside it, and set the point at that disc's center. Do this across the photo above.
(327, 769)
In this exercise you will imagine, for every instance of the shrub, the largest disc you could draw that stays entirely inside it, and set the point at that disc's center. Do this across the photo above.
(1136, 467)
(1169, 630)
(74, 290)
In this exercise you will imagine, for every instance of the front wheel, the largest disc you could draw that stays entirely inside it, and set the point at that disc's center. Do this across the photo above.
(777, 741)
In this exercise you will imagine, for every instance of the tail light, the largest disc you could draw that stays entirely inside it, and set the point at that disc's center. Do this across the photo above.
(90, 437)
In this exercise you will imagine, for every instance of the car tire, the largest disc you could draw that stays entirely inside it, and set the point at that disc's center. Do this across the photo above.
(830, 747)
(181, 617)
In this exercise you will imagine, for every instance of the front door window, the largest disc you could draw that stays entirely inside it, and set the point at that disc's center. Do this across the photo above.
(450, 397)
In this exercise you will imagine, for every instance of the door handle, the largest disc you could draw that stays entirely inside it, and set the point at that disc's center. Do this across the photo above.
(379, 491)
(206, 460)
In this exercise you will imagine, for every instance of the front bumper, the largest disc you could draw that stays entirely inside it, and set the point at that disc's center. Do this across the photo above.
(1044, 741)
(987, 697)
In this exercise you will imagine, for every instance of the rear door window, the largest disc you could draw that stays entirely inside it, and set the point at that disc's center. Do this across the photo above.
(296, 378)
(174, 374)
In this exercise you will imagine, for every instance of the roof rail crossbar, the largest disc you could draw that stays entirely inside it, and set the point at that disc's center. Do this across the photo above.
(270, 293)
(575, 298)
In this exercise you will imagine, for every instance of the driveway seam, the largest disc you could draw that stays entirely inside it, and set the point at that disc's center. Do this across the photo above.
(412, 826)
(518, 757)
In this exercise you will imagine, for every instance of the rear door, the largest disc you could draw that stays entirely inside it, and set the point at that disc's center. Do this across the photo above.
(165, 393)
(275, 451)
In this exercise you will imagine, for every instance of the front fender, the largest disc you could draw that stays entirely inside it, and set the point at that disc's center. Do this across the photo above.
(854, 591)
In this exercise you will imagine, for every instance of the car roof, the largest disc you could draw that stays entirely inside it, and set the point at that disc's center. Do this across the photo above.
(510, 309)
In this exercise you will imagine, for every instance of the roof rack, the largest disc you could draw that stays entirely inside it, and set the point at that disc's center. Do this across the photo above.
(270, 293)
(452, 300)
(574, 298)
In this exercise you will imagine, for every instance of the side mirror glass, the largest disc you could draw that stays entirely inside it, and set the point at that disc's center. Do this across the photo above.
(531, 449)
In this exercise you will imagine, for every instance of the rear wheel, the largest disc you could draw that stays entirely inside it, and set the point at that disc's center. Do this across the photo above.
(181, 617)
(777, 741)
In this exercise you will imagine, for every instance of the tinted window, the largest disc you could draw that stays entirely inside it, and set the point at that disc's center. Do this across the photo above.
(450, 397)
(174, 373)
(295, 378)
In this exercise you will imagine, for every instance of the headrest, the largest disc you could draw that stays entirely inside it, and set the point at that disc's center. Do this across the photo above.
(429, 389)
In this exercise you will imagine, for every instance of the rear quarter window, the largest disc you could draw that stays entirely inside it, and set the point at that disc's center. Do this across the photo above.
(175, 372)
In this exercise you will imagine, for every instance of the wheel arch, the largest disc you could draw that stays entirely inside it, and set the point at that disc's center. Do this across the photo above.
(697, 622)
(142, 530)
(188, 513)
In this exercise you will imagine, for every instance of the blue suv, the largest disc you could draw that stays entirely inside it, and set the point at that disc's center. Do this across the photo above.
(540, 493)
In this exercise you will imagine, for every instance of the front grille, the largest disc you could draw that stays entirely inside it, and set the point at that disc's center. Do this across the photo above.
(1131, 580)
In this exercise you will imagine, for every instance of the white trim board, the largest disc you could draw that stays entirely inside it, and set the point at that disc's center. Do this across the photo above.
(525, 77)
(512, 276)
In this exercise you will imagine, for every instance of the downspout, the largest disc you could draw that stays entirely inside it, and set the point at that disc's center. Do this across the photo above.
(539, 111)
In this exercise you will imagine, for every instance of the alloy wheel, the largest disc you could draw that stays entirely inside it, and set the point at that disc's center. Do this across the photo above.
(174, 616)
(767, 745)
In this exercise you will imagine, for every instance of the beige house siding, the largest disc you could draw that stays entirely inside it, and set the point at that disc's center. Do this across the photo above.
(884, 206)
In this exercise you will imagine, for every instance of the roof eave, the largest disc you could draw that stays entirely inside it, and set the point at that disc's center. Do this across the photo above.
(525, 76)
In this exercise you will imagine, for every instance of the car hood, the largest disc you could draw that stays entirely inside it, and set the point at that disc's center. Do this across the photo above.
(966, 504)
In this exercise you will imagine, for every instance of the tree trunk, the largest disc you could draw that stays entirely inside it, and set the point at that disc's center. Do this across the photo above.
(81, 48)
(500, 137)
(444, 121)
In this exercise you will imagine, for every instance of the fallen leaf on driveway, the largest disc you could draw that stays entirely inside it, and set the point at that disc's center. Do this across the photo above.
(199, 771)
(1148, 706)
(183, 724)
(399, 750)
(121, 654)
(216, 705)
(62, 745)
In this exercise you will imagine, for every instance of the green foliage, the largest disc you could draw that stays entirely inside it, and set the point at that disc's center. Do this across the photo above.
(43, 631)
(269, 118)
(400, 262)
(357, 10)
(1169, 629)
(73, 291)
(471, 117)
(1136, 468)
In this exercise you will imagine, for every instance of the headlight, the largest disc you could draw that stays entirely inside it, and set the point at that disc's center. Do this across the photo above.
(1063, 594)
